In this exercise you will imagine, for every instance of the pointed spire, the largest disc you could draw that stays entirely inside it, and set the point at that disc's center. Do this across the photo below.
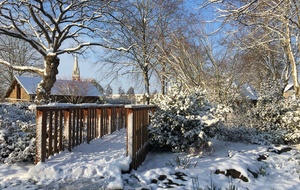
(76, 71)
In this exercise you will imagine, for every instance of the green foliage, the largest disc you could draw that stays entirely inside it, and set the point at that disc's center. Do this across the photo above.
(272, 120)
(17, 134)
(183, 120)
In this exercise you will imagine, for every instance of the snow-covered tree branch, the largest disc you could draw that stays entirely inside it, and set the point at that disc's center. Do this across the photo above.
(23, 68)
(266, 24)
(145, 24)
(50, 27)
(15, 52)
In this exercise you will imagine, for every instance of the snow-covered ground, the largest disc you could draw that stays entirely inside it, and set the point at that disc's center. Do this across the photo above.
(277, 172)
(89, 166)
(98, 165)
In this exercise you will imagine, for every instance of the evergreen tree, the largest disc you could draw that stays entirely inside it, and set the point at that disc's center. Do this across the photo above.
(130, 91)
(131, 95)
(183, 120)
(268, 110)
(121, 92)
(273, 120)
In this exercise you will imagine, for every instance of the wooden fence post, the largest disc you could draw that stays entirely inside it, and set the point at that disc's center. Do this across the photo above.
(88, 123)
(137, 121)
(67, 128)
(61, 146)
(50, 134)
(109, 120)
(130, 134)
(55, 138)
(41, 124)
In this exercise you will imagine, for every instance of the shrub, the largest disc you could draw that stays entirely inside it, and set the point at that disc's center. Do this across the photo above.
(273, 120)
(17, 133)
(184, 119)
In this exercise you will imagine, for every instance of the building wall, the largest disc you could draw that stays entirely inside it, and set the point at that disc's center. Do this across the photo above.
(289, 94)
(13, 96)
(18, 94)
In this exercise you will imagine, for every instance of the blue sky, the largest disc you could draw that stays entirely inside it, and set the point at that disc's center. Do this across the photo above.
(90, 71)
(87, 71)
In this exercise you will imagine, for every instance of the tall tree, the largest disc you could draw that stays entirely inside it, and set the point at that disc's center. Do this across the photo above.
(145, 23)
(131, 94)
(53, 28)
(17, 52)
(121, 92)
(266, 23)
(130, 91)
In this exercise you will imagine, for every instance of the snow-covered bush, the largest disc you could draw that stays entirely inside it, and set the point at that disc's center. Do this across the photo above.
(290, 120)
(17, 133)
(183, 120)
(272, 120)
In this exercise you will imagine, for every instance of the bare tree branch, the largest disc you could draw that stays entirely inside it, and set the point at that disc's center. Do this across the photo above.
(23, 68)
(51, 26)
(271, 25)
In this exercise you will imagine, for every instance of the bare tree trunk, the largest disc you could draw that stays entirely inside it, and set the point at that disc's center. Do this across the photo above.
(294, 73)
(163, 80)
(147, 86)
(292, 61)
(43, 90)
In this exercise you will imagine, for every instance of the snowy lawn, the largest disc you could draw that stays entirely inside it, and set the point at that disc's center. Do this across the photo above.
(98, 165)
(277, 171)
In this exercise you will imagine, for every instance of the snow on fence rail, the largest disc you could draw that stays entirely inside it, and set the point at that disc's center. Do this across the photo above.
(137, 117)
(61, 126)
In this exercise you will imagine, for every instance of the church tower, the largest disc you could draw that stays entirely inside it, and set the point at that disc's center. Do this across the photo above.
(76, 72)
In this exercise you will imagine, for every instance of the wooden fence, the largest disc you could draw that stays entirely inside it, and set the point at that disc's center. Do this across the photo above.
(59, 127)
(137, 122)
(66, 126)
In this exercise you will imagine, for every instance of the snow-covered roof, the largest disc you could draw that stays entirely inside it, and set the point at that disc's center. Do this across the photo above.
(288, 86)
(246, 90)
(60, 87)
(249, 92)
(29, 84)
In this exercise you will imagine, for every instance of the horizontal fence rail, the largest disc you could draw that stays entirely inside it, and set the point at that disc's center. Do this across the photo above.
(137, 122)
(59, 127)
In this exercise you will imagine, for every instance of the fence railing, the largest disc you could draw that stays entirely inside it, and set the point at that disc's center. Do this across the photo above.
(66, 126)
(137, 122)
(59, 127)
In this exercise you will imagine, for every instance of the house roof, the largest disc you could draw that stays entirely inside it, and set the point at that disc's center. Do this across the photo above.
(246, 90)
(29, 84)
(61, 87)
(289, 86)
(249, 92)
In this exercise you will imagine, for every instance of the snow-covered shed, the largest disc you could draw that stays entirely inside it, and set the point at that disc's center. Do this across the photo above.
(23, 89)
(249, 92)
(245, 92)
(289, 91)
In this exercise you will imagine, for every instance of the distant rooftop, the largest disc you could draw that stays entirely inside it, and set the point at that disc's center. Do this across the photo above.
(249, 92)
(30, 84)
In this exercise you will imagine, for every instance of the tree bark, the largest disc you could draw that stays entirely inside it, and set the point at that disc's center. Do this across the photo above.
(292, 60)
(43, 90)
(147, 87)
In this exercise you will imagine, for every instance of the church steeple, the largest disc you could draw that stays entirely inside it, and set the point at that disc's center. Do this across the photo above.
(76, 72)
